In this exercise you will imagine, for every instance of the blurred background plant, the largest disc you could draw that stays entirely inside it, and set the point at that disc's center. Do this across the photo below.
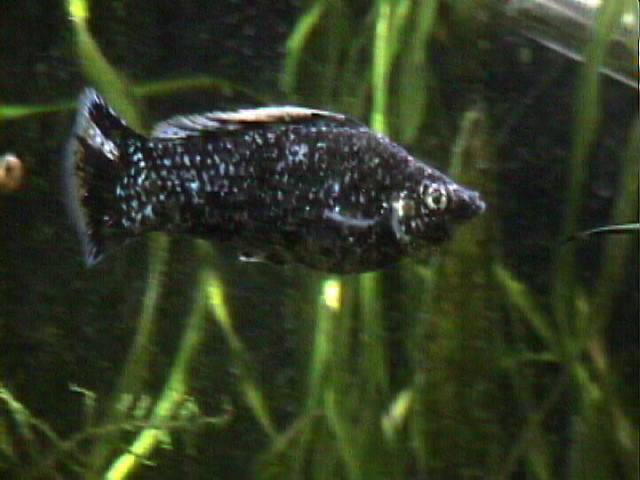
(468, 366)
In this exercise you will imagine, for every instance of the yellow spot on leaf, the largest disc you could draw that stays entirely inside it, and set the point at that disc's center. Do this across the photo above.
(332, 294)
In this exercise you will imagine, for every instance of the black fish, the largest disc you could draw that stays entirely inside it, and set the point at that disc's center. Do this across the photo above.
(625, 228)
(283, 184)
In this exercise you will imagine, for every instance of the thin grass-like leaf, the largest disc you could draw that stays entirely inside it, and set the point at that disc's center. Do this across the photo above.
(297, 41)
(175, 390)
(617, 250)
(116, 88)
(414, 77)
(145, 89)
(587, 114)
(381, 61)
(348, 442)
(336, 39)
(372, 337)
(99, 72)
(329, 309)
(532, 442)
(591, 453)
(520, 299)
(356, 72)
(252, 393)
(18, 112)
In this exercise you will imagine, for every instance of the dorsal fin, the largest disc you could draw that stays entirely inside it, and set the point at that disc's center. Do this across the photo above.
(219, 122)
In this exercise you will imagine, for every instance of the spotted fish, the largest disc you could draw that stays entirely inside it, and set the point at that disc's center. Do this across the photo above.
(282, 184)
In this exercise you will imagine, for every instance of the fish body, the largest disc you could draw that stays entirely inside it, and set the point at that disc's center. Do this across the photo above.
(622, 229)
(282, 184)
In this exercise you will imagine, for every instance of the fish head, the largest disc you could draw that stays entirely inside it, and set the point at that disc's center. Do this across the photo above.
(426, 213)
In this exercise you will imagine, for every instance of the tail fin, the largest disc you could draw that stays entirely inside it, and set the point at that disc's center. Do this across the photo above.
(93, 166)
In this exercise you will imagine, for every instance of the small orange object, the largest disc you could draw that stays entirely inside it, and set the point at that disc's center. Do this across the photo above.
(11, 172)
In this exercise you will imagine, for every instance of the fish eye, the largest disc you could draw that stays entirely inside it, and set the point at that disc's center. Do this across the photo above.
(436, 198)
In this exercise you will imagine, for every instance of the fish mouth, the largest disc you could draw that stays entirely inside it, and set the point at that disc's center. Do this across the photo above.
(467, 204)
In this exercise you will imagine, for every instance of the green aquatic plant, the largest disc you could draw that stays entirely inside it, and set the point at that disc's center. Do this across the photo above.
(360, 419)
(240, 356)
(457, 351)
(120, 92)
(156, 418)
(142, 90)
(48, 455)
(453, 406)
(348, 392)
(573, 332)
(116, 87)
(210, 299)
(576, 341)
